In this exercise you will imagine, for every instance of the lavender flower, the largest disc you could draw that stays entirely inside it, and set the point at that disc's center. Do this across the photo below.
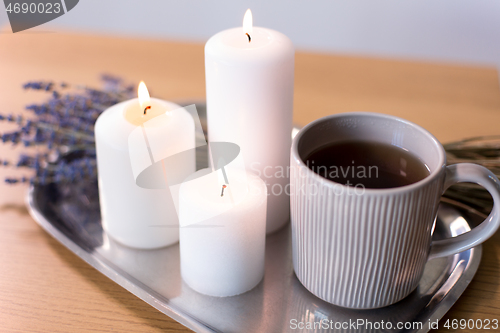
(64, 122)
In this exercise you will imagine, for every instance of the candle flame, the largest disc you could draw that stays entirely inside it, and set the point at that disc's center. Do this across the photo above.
(144, 99)
(248, 22)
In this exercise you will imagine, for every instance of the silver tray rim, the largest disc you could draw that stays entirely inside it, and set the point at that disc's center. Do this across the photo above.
(147, 294)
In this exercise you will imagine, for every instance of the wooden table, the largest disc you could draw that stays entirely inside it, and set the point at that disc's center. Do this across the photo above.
(46, 288)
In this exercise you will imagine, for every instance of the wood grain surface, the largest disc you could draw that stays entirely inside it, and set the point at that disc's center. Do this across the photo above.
(46, 288)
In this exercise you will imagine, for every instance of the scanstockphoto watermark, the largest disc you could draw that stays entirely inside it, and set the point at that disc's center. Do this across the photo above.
(26, 14)
(349, 179)
(356, 325)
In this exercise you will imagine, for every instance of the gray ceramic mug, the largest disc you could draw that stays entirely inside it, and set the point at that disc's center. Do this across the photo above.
(367, 249)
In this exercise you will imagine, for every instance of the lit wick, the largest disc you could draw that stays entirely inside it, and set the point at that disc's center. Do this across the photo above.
(248, 24)
(222, 193)
(144, 99)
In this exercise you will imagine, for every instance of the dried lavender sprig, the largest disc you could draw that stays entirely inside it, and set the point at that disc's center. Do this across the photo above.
(65, 120)
(57, 111)
(13, 181)
(84, 168)
(41, 85)
(73, 105)
(111, 83)
(33, 162)
(109, 96)
(49, 135)
(67, 132)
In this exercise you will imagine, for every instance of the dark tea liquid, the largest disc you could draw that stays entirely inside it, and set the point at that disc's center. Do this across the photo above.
(371, 164)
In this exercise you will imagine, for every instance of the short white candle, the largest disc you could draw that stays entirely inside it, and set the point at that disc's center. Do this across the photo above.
(222, 237)
(130, 214)
(250, 102)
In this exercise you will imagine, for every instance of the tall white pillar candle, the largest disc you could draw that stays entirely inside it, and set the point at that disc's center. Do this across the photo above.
(222, 234)
(249, 80)
(132, 215)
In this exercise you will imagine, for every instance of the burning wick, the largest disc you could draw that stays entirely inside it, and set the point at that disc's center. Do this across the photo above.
(248, 24)
(147, 108)
(222, 193)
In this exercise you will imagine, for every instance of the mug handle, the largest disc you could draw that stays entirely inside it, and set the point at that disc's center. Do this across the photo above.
(471, 173)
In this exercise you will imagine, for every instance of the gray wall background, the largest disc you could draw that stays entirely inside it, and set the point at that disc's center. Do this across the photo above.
(462, 31)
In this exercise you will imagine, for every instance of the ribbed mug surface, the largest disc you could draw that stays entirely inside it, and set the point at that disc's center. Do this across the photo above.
(362, 248)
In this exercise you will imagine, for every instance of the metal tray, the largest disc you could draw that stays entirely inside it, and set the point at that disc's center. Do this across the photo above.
(279, 303)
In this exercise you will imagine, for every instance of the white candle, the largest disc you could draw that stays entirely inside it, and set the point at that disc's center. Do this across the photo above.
(132, 215)
(249, 102)
(222, 234)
